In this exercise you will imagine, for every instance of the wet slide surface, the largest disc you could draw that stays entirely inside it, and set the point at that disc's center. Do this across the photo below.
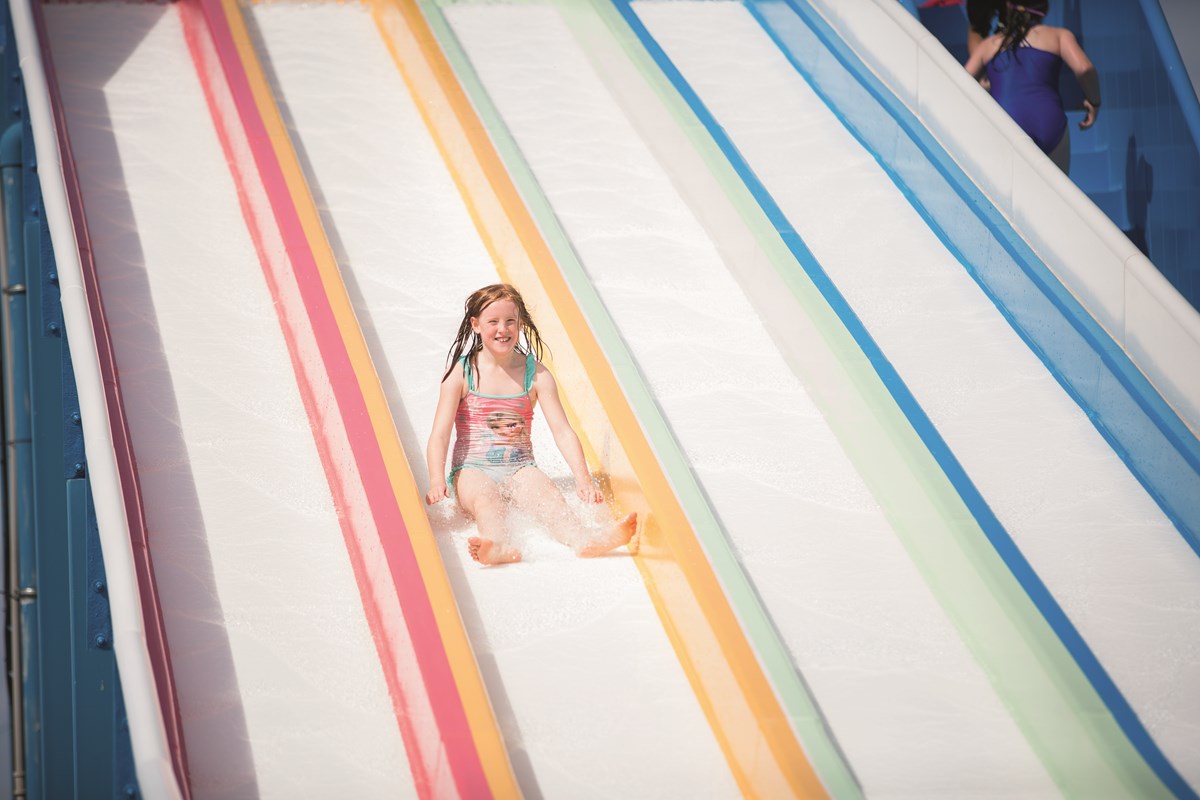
(1107, 553)
(876, 649)
(280, 687)
(583, 679)
(863, 625)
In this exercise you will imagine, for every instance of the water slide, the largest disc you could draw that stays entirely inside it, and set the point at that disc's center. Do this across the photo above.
(893, 542)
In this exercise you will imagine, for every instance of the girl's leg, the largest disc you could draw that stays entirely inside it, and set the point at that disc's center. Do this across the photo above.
(537, 494)
(479, 496)
(1061, 154)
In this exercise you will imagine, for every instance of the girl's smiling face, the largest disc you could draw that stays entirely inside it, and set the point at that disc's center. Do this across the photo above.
(498, 327)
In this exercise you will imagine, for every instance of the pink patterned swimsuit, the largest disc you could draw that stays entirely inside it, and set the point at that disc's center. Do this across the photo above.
(493, 431)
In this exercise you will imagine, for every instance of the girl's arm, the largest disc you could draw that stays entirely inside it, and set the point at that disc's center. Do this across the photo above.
(439, 438)
(976, 65)
(1085, 73)
(564, 435)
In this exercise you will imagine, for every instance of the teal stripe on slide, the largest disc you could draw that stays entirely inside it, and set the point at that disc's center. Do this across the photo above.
(1050, 698)
(604, 39)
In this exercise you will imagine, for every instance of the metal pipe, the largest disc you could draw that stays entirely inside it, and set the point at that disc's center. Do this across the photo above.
(13, 319)
(1172, 62)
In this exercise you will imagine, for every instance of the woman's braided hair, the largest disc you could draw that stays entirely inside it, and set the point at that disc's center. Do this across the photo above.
(1018, 19)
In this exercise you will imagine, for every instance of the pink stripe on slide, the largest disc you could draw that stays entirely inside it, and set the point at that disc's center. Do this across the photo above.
(428, 704)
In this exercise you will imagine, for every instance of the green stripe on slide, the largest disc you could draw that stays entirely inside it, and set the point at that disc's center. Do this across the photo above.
(756, 623)
(1064, 720)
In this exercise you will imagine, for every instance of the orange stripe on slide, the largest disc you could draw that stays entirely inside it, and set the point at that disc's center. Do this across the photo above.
(440, 703)
(751, 726)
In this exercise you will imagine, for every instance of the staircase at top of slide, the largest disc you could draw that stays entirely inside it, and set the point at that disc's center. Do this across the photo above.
(876, 499)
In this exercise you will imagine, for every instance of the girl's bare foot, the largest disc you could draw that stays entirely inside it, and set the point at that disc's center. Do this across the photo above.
(485, 551)
(623, 531)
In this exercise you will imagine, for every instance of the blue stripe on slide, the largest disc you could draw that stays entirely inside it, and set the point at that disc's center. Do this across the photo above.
(976, 205)
(1070, 319)
(1124, 407)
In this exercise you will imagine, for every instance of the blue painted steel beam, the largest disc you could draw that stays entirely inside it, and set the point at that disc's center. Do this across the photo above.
(75, 740)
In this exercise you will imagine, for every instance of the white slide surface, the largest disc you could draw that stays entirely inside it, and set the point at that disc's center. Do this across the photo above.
(280, 689)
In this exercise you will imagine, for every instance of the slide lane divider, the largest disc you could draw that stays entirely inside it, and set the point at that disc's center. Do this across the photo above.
(990, 610)
(690, 597)
(79, 283)
(1118, 399)
(1157, 446)
(1032, 669)
(811, 344)
(446, 721)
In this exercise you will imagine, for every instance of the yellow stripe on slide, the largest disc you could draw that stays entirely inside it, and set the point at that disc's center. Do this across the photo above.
(480, 719)
(738, 700)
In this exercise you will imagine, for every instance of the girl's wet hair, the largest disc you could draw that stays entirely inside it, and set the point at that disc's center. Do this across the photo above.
(1018, 18)
(468, 343)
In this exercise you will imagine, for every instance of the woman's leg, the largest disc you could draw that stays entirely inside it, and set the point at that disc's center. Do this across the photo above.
(537, 494)
(479, 496)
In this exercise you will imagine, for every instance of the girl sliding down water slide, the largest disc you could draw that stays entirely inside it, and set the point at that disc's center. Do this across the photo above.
(488, 394)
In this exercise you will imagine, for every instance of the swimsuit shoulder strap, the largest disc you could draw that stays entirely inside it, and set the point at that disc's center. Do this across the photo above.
(530, 371)
(466, 365)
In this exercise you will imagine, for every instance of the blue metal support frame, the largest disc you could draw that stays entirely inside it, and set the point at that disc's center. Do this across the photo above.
(73, 738)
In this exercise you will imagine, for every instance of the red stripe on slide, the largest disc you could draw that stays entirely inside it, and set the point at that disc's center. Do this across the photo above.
(287, 251)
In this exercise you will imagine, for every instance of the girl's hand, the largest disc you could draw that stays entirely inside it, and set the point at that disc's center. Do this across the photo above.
(1090, 119)
(437, 492)
(588, 492)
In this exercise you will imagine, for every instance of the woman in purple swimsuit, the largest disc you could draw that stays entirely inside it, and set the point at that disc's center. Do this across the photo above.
(1022, 62)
